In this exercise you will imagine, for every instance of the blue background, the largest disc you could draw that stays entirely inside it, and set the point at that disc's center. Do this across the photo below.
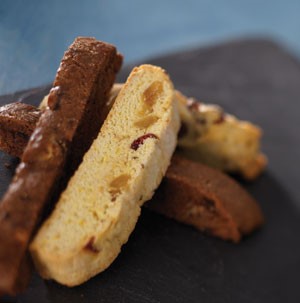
(34, 34)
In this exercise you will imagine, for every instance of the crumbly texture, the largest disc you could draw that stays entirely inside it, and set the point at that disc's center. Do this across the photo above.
(220, 140)
(17, 122)
(207, 199)
(72, 119)
(101, 204)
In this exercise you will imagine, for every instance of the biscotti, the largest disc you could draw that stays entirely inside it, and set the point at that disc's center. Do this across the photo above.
(220, 140)
(17, 122)
(195, 194)
(72, 119)
(101, 204)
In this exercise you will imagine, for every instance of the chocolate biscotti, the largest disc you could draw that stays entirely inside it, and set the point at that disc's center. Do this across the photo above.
(76, 107)
(207, 199)
(17, 122)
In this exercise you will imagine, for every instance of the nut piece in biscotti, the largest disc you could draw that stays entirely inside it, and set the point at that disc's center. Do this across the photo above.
(197, 195)
(76, 107)
(220, 140)
(99, 208)
(17, 122)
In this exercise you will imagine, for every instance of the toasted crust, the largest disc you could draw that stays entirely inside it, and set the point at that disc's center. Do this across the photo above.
(81, 87)
(207, 199)
(99, 209)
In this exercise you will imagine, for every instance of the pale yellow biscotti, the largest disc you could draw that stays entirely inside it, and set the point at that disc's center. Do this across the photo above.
(220, 140)
(101, 204)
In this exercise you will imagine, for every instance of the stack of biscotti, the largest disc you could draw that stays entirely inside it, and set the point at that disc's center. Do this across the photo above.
(207, 135)
(77, 103)
(98, 210)
(184, 209)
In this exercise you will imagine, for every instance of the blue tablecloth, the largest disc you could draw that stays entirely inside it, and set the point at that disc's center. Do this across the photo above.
(35, 33)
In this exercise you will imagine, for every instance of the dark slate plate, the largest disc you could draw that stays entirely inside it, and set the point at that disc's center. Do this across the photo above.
(168, 262)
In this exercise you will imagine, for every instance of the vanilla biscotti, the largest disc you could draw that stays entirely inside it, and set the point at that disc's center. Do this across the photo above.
(101, 204)
(220, 140)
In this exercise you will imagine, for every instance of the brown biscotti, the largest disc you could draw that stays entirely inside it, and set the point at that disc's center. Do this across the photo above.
(17, 122)
(71, 121)
(207, 199)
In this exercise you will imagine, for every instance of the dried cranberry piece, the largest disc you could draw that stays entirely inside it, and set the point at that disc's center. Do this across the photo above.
(221, 119)
(193, 104)
(139, 141)
(90, 246)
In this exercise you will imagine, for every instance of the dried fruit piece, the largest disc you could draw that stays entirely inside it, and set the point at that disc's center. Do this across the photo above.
(121, 181)
(117, 185)
(152, 93)
(146, 122)
(139, 141)
(90, 246)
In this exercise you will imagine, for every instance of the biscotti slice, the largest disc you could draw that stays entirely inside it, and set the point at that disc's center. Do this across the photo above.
(101, 204)
(17, 122)
(197, 195)
(76, 106)
(220, 140)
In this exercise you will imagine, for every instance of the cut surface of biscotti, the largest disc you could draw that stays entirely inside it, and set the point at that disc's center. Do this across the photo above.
(198, 195)
(220, 140)
(17, 122)
(76, 104)
(101, 204)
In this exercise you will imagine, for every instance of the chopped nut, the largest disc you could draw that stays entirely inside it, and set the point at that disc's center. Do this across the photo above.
(54, 98)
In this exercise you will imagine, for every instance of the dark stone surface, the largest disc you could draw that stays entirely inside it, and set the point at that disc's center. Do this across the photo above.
(168, 262)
